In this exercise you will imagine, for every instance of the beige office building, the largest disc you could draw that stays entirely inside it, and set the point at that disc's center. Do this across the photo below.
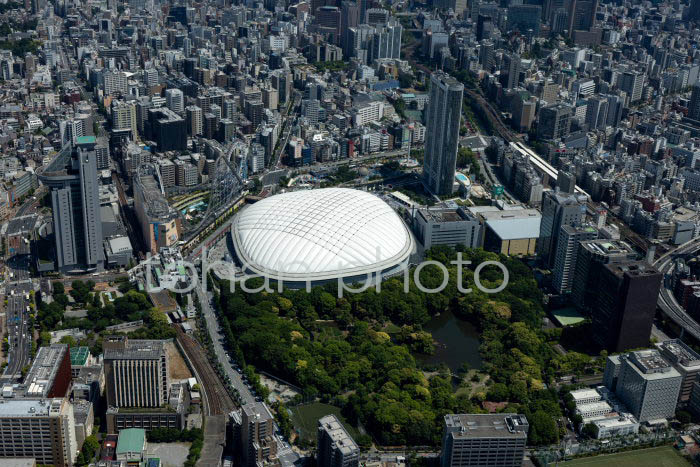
(42, 429)
(136, 372)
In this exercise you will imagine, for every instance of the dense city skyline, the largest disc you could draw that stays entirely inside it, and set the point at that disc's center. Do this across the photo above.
(349, 232)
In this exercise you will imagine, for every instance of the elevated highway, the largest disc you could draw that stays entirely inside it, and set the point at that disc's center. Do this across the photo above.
(667, 302)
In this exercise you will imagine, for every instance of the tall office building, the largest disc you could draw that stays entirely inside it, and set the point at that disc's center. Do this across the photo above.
(596, 112)
(694, 10)
(511, 67)
(150, 77)
(554, 121)
(328, 18)
(648, 385)
(175, 100)
(616, 105)
(444, 114)
(592, 256)
(484, 440)
(558, 209)
(102, 152)
(195, 120)
(487, 55)
(115, 83)
(360, 41)
(72, 180)
(336, 448)
(447, 227)
(386, 41)
(525, 19)
(581, 15)
(254, 111)
(686, 361)
(567, 254)
(124, 117)
(36, 419)
(256, 434)
(582, 88)
(633, 84)
(458, 6)
(182, 14)
(566, 182)
(624, 310)
(484, 27)
(551, 6)
(350, 18)
(270, 97)
(694, 106)
(282, 81)
(71, 130)
(43, 429)
(167, 129)
(136, 372)
(376, 16)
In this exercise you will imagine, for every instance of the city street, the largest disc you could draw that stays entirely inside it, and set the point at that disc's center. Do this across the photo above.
(18, 332)
(285, 454)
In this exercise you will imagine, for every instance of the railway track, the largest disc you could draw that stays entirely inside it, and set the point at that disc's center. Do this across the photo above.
(214, 394)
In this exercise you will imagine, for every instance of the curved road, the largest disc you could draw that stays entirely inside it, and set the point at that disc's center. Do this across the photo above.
(667, 302)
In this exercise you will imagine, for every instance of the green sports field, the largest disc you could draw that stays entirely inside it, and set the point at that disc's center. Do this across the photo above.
(664, 456)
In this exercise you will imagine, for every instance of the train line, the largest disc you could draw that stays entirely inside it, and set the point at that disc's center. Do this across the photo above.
(216, 399)
(663, 260)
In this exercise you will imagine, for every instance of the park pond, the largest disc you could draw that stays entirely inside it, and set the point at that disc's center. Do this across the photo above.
(457, 343)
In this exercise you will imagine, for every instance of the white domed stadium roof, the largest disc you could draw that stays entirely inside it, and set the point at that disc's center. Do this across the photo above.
(317, 235)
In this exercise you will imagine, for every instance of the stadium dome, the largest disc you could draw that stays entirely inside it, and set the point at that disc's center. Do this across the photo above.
(321, 235)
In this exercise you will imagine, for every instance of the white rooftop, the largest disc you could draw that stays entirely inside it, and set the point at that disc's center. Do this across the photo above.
(612, 422)
(24, 407)
(514, 225)
(320, 234)
(119, 244)
(582, 394)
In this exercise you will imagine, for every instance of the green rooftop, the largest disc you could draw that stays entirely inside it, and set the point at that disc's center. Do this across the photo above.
(131, 440)
(86, 140)
(79, 356)
(568, 316)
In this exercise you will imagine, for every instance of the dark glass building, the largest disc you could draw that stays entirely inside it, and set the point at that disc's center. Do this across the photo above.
(624, 312)
(167, 129)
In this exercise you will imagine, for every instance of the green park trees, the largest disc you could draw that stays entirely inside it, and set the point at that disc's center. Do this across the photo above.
(372, 374)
